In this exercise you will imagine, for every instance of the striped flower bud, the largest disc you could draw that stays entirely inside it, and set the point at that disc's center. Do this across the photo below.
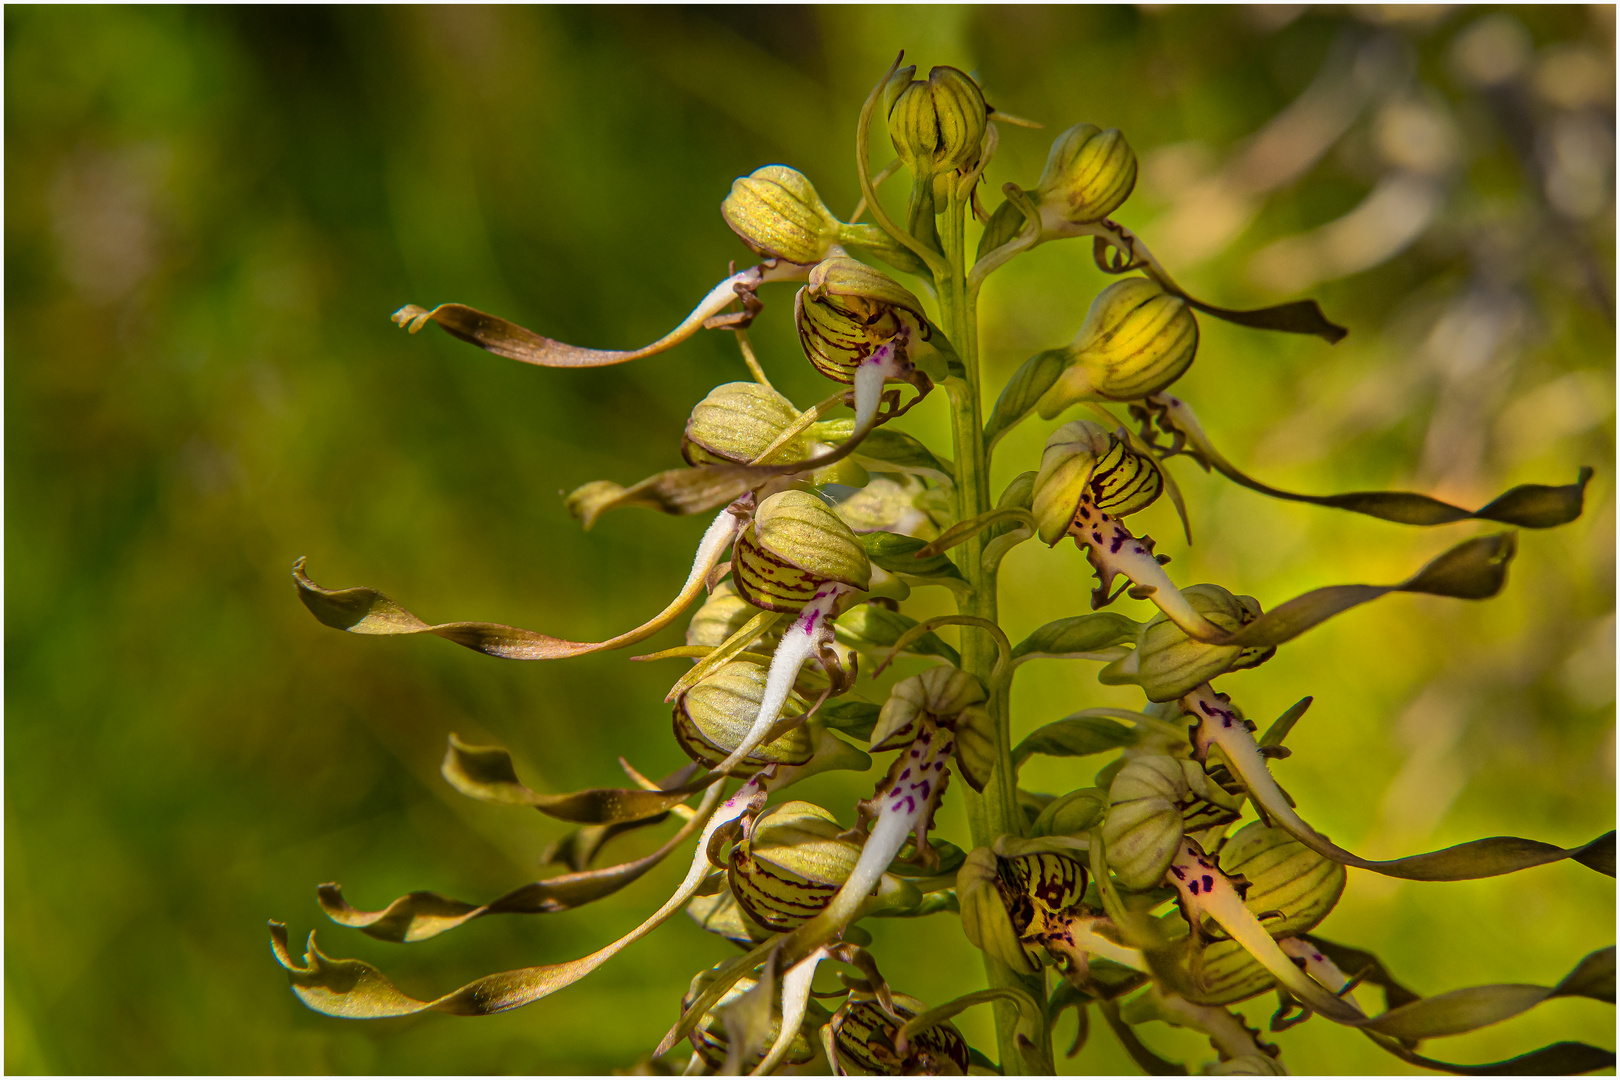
(1284, 876)
(790, 866)
(1082, 460)
(864, 1035)
(1227, 972)
(848, 310)
(713, 718)
(778, 214)
(722, 615)
(1153, 801)
(796, 544)
(936, 126)
(1089, 175)
(1137, 339)
(1167, 663)
(738, 421)
(708, 1038)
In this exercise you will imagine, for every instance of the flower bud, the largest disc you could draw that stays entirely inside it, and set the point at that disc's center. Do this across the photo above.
(848, 310)
(937, 126)
(1284, 876)
(865, 1035)
(788, 869)
(940, 692)
(1137, 339)
(1084, 461)
(1089, 174)
(708, 1038)
(1151, 802)
(722, 615)
(795, 545)
(737, 421)
(713, 718)
(777, 212)
(1168, 664)
(1228, 972)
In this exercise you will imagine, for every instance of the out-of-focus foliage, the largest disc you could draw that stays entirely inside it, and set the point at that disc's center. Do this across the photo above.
(211, 213)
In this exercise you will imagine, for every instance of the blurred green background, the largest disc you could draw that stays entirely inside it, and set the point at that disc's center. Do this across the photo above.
(210, 214)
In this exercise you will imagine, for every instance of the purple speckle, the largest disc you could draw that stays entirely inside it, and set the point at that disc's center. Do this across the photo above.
(1181, 875)
(926, 788)
(1193, 888)
(1209, 883)
(905, 774)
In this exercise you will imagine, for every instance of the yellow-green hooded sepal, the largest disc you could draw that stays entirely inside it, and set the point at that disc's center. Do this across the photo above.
(791, 865)
(1150, 804)
(795, 545)
(1089, 174)
(736, 423)
(722, 615)
(1137, 339)
(848, 310)
(777, 213)
(1291, 887)
(714, 717)
(1082, 460)
(985, 920)
(1167, 663)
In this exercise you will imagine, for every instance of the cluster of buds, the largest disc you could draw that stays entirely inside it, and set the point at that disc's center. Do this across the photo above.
(1129, 884)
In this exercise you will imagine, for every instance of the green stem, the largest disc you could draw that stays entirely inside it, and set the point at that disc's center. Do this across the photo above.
(995, 812)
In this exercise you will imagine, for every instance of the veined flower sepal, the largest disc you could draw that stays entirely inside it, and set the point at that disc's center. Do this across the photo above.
(1137, 339)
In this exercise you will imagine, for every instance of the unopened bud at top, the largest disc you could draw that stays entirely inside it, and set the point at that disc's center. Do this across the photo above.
(1137, 339)
(1085, 462)
(795, 545)
(936, 126)
(848, 310)
(777, 212)
(1089, 174)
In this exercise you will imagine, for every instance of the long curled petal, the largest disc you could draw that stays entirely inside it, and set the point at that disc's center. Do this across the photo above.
(1218, 725)
(1532, 506)
(367, 611)
(508, 339)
